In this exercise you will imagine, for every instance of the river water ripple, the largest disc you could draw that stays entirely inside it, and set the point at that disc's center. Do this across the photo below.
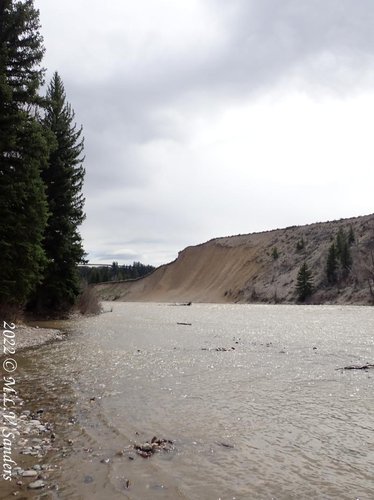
(251, 396)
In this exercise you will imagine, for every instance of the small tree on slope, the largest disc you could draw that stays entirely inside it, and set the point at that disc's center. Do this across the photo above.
(304, 286)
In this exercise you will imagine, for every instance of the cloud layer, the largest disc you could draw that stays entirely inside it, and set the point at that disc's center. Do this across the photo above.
(205, 117)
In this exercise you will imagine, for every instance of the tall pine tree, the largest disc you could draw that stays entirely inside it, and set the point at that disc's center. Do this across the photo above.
(64, 180)
(304, 285)
(23, 153)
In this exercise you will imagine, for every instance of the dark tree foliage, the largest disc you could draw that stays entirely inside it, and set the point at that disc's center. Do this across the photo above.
(23, 153)
(275, 253)
(332, 264)
(115, 272)
(304, 285)
(64, 181)
(351, 235)
(300, 245)
(21, 53)
(339, 258)
(343, 251)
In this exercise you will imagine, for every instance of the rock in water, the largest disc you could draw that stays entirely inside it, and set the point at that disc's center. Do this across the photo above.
(36, 485)
(29, 473)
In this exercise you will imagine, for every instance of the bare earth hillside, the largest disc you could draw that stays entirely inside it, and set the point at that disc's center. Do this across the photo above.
(260, 267)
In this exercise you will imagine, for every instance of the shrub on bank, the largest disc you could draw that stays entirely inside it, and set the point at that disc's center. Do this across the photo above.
(88, 302)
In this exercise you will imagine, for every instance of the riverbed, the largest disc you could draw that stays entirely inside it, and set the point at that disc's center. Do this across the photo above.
(251, 397)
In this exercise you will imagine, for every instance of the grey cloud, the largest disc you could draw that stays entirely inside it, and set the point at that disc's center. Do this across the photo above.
(321, 45)
(108, 258)
(320, 41)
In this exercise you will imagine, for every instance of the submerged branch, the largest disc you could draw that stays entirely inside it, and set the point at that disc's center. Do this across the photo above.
(357, 367)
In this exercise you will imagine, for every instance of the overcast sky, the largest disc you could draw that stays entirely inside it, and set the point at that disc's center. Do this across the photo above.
(206, 118)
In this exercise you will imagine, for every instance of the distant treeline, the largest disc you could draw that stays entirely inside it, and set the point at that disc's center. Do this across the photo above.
(115, 272)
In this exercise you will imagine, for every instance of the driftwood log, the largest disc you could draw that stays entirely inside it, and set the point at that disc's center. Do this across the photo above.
(368, 366)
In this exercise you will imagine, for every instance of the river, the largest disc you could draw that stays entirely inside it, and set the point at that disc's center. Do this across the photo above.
(250, 395)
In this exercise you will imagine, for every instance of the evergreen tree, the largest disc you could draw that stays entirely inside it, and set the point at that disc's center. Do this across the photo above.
(23, 153)
(332, 264)
(304, 286)
(345, 258)
(343, 251)
(300, 245)
(275, 253)
(21, 53)
(351, 235)
(114, 271)
(64, 180)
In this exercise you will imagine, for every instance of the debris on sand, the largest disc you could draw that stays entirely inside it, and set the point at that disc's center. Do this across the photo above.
(225, 445)
(147, 449)
(218, 349)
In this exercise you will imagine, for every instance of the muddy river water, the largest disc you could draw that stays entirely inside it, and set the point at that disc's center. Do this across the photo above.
(251, 397)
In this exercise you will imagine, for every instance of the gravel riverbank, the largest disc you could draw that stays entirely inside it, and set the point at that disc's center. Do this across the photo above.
(29, 336)
(28, 438)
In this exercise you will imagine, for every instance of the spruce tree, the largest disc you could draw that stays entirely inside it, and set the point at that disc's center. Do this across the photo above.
(64, 180)
(332, 264)
(21, 53)
(351, 235)
(343, 252)
(23, 153)
(304, 286)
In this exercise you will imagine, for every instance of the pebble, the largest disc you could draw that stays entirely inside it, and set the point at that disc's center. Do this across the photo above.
(27, 450)
(157, 486)
(36, 485)
(29, 473)
(33, 442)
